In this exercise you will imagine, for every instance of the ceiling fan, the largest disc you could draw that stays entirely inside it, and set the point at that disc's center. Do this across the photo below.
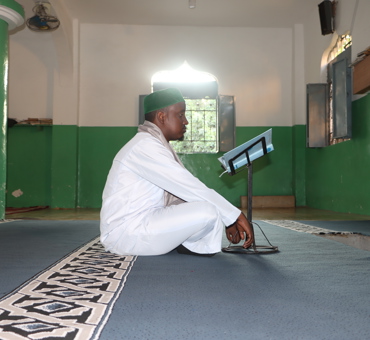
(42, 21)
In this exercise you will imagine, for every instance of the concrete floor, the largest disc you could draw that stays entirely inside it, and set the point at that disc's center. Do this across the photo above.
(295, 214)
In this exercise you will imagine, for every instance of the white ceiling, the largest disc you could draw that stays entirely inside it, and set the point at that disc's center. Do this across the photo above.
(242, 13)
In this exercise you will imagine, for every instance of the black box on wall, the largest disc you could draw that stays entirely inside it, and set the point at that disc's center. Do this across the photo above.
(326, 17)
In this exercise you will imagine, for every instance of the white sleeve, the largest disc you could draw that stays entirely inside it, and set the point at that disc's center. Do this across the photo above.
(152, 161)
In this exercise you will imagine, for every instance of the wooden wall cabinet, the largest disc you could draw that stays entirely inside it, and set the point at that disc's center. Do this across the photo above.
(361, 76)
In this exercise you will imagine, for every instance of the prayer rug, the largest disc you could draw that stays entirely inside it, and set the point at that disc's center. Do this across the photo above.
(71, 300)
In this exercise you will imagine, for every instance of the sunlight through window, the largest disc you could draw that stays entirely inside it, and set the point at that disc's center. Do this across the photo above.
(184, 74)
(201, 110)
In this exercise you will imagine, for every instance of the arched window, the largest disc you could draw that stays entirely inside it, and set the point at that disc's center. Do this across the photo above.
(340, 90)
(200, 90)
(329, 105)
(211, 117)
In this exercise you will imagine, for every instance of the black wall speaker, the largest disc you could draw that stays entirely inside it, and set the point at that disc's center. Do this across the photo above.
(326, 17)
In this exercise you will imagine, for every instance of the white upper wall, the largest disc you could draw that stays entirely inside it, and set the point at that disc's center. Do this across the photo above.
(352, 16)
(32, 61)
(109, 66)
(118, 61)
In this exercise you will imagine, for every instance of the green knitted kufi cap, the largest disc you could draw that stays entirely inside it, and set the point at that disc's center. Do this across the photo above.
(162, 98)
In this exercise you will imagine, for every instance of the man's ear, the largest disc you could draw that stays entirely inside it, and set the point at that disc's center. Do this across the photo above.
(161, 116)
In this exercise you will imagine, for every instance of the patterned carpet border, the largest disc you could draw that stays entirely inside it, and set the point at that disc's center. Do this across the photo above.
(70, 300)
(304, 228)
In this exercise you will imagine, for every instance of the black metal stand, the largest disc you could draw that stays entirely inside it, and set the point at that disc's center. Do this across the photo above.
(253, 249)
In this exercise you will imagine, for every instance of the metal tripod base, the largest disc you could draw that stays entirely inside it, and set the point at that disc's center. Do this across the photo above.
(254, 249)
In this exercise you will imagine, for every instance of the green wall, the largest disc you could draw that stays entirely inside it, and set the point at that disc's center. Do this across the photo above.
(29, 166)
(337, 177)
(97, 148)
(299, 164)
(99, 145)
(272, 174)
(66, 166)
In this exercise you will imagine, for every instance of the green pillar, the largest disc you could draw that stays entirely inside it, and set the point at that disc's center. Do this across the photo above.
(11, 16)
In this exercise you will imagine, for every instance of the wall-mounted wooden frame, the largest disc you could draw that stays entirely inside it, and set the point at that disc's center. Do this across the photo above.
(361, 76)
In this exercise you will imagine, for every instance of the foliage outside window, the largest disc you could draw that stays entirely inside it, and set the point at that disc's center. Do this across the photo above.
(202, 131)
(343, 42)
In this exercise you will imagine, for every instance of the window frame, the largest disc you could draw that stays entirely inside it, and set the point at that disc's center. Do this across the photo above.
(226, 121)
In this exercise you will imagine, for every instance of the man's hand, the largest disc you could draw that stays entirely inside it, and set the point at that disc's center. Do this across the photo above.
(240, 230)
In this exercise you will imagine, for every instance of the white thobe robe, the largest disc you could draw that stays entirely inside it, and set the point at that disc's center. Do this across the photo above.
(134, 218)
